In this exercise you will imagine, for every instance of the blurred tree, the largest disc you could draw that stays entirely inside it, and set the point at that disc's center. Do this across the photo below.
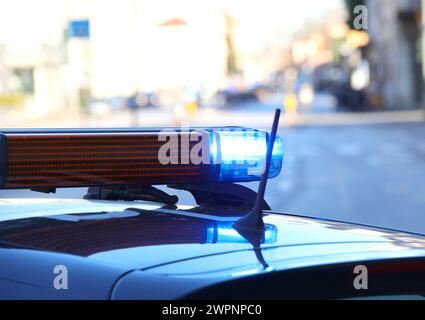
(350, 5)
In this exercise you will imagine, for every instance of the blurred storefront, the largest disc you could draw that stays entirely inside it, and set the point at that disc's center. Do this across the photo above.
(394, 53)
(156, 45)
(32, 59)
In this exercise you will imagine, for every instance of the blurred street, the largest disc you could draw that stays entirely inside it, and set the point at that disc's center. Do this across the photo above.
(371, 174)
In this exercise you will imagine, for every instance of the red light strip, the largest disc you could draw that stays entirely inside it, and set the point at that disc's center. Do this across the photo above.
(69, 160)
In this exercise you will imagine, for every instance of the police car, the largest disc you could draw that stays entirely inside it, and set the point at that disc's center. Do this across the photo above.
(130, 239)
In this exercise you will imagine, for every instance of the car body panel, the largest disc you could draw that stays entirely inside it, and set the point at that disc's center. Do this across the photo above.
(31, 274)
(128, 249)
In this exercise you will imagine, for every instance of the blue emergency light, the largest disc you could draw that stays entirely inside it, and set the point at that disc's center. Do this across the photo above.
(242, 154)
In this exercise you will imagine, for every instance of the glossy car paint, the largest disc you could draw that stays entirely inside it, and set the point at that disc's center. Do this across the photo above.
(138, 250)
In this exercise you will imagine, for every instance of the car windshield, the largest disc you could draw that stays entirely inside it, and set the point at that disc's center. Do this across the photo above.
(347, 74)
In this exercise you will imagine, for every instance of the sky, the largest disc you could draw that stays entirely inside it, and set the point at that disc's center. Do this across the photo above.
(264, 21)
(261, 16)
(284, 14)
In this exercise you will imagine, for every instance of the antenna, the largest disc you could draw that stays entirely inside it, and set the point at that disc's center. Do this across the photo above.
(254, 219)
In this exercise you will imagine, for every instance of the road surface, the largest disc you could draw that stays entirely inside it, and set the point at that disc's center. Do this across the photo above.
(372, 174)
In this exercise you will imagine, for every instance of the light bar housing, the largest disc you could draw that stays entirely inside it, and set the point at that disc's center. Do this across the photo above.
(31, 159)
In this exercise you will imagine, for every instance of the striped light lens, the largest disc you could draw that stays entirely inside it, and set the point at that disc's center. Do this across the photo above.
(70, 160)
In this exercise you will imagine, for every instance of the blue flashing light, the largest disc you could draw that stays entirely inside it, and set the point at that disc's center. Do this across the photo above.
(241, 154)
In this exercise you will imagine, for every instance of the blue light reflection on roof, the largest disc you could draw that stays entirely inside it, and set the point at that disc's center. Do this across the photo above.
(224, 232)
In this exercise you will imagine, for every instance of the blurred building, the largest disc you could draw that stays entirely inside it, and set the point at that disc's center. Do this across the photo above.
(313, 49)
(395, 53)
(57, 54)
(156, 45)
(32, 55)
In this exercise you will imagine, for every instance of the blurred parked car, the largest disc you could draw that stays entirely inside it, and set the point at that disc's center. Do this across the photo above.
(103, 107)
(227, 98)
(325, 77)
(143, 100)
(348, 98)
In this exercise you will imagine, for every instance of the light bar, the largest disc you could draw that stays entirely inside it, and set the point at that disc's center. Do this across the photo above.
(71, 158)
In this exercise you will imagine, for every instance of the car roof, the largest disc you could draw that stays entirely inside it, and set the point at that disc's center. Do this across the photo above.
(146, 236)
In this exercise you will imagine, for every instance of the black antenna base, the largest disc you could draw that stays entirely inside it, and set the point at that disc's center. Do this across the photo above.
(252, 221)
(253, 231)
